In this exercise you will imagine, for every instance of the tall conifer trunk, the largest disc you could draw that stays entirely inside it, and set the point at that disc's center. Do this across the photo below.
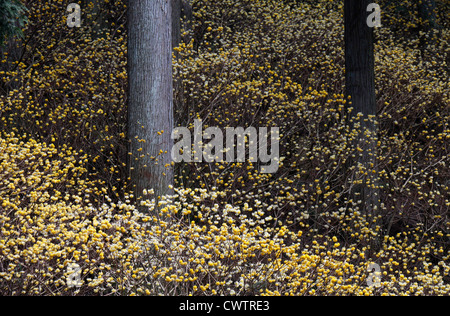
(150, 108)
(360, 86)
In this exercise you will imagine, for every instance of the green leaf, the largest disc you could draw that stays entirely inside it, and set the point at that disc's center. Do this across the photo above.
(12, 19)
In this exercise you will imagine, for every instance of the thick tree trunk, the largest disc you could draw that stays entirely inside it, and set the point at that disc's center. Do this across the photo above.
(187, 15)
(176, 22)
(360, 85)
(181, 22)
(176, 40)
(427, 14)
(150, 109)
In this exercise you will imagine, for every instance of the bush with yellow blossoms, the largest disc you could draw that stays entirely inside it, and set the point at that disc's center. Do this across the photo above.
(66, 207)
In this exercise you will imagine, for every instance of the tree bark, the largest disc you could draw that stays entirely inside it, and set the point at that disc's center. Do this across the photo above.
(187, 14)
(176, 22)
(150, 108)
(181, 20)
(360, 86)
(427, 14)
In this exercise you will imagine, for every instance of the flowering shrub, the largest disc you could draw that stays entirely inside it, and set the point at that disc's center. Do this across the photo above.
(228, 229)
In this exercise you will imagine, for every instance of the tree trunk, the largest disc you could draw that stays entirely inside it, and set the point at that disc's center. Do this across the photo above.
(176, 22)
(360, 86)
(427, 14)
(181, 22)
(187, 15)
(150, 108)
(176, 40)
